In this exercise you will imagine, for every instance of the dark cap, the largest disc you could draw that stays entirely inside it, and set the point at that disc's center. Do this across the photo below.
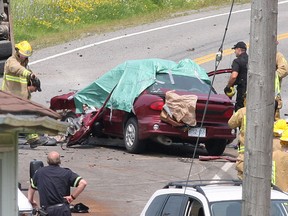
(241, 45)
(35, 82)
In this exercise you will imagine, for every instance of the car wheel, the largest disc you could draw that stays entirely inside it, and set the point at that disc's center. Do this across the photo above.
(131, 139)
(215, 147)
(2, 63)
(6, 49)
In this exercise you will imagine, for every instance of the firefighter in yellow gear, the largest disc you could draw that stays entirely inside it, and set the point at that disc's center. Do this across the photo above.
(279, 175)
(281, 72)
(15, 80)
(238, 120)
(279, 126)
(16, 74)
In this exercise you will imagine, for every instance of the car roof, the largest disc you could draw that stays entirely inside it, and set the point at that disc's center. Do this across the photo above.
(222, 190)
(133, 74)
(222, 193)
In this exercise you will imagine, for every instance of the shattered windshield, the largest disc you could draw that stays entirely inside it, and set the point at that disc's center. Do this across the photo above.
(228, 208)
(181, 83)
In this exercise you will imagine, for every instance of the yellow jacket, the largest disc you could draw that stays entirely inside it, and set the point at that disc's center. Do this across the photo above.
(276, 144)
(15, 78)
(238, 119)
(280, 169)
(281, 66)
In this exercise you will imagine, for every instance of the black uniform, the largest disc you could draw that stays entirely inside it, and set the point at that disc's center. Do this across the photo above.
(240, 64)
(53, 183)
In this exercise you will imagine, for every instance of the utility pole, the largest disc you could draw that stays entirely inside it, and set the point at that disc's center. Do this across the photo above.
(260, 108)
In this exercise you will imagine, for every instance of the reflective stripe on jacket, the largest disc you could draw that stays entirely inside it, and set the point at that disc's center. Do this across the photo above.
(273, 174)
(15, 78)
(277, 85)
(241, 149)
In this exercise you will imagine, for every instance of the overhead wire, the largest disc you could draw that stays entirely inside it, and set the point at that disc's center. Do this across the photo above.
(217, 61)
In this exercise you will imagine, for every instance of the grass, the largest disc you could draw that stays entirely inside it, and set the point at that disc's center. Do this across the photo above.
(48, 22)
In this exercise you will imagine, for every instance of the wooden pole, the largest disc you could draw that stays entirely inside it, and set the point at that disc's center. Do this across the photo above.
(260, 108)
(1, 7)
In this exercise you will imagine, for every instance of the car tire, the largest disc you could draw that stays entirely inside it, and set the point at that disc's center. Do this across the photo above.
(131, 137)
(6, 49)
(215, 147)
(2, 63)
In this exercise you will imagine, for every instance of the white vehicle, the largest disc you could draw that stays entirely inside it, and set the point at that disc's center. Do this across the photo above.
(5, 33)
(24, 206)
(221, 198)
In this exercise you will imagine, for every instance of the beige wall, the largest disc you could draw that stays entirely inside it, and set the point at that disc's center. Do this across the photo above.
(8, 173)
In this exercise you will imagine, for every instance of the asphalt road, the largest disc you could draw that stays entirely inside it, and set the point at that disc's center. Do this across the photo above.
(120, 183)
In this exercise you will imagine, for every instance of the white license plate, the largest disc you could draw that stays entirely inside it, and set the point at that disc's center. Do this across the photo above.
(195, 132)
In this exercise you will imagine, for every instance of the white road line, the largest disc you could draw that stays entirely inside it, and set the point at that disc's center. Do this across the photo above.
(224, 168)
(134, 34)
(141, 32)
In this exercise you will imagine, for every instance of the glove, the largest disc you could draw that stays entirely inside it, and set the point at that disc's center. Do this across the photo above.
(36, 82)
(227, 89)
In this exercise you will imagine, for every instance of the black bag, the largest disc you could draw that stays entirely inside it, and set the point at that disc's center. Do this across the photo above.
(80, 208)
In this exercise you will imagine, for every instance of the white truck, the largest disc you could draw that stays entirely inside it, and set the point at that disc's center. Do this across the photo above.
(6, 33)
(24, 206)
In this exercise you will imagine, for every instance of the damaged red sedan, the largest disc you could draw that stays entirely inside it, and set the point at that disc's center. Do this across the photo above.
(150, 99)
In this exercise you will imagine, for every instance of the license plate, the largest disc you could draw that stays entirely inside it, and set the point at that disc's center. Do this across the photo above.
(195, 132)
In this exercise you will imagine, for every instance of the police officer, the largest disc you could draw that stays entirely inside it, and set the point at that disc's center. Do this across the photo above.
(53, 184)
(239, 74)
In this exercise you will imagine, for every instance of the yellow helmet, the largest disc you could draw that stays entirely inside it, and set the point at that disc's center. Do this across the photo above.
(279, 126)
(284, 136)
(231, 93)
(24, 48)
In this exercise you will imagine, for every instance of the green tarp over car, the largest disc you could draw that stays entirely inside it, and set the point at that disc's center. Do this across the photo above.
(130, 79)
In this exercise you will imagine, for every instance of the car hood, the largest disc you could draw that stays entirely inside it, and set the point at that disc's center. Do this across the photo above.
(130, 79)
